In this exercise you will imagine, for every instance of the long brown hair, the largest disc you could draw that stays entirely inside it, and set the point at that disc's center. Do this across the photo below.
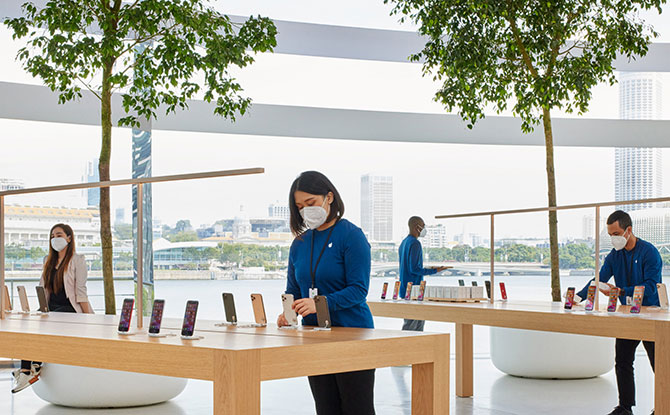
(52, 260)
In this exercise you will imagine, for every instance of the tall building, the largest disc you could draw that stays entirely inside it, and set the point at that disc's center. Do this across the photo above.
(436, 237)
(638, 171)
(652, 225)
(119, 216)
(93, 175)
(11, 184)
(377, 207)
(276, 210)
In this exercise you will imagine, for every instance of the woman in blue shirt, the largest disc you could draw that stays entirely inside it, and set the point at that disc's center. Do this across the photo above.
(330, 256)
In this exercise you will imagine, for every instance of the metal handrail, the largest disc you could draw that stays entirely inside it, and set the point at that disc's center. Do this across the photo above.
(140, 183)
(597, 206)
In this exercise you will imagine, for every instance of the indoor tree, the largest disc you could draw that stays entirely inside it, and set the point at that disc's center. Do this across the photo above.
(533, 57)
(157, 54)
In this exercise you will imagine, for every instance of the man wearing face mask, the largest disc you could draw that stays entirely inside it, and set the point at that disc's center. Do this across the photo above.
(410, 255)
(632, 262)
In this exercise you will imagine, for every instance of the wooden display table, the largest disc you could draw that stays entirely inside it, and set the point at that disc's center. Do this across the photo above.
(652, 324)
(235, 359)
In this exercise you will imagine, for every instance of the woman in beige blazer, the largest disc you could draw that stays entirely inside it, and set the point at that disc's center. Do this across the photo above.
(64, 280)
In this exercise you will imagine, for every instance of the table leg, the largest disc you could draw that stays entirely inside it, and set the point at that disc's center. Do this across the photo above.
(662, 369)
(237, 383)
(464, 360)
(430, 382)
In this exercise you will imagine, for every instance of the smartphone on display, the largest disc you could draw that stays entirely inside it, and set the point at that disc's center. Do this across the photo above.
(289, 312)
(461, 283)
(384, 288)
(188, 326)
(474, 283)
(638, 295)
(396, 289)
(422, 290)
(611, 303)
(322, 313)
(503, 291)
(408, 291)
(126, 315)
(663, 295)
(156, 317)
(569, 298)
(229, 308)
(590, 298)
(42, 299)
(487, 284)
(23, 298)
(259, 309)
(8, 301)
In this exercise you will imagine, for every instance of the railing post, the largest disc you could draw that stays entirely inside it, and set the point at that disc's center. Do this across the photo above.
(2, 255)
(493, 257)
(597, 269)
(140, 256)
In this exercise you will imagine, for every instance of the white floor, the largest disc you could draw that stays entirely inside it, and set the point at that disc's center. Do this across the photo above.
(495, 394)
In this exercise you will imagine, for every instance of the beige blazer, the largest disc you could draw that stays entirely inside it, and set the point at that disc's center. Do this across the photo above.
(74, 279)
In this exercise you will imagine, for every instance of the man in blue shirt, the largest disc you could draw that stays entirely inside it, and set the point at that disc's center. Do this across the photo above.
(632, 262)
(411, 264)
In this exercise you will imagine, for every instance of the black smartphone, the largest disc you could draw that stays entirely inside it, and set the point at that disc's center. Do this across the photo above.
(487, 283)
(126, 315)
(474, 283)
(461, 283)
(188, 327)
(42, 298)
(156, 317)
(322, 313)
(229, 308)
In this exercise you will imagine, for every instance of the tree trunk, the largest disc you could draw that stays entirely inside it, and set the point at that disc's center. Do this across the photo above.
(553, 217)
(105, 217)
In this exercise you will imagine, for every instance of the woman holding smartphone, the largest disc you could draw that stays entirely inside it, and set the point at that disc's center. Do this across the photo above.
(330, 256)
(64, 277)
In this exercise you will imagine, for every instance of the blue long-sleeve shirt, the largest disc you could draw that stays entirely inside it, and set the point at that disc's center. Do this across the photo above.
(411, 263)
(343, 274)
(646, 265)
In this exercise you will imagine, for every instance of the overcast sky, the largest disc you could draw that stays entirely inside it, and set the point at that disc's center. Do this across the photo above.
(429, 179)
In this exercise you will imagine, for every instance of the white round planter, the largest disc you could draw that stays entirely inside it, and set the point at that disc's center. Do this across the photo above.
(83, 387)
(545, 355)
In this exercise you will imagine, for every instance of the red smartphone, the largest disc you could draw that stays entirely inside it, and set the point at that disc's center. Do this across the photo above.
(569, 298)
(126, 315)
(422, 290)
(503, 292)
(611, 304)
(188, 326)
(386, 286)
(396, 288)
(408, 291)
(638, 295)
(156, 317)
(590, 298)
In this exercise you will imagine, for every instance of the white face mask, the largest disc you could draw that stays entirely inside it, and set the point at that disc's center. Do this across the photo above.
(619, 241)
(59, 243)
(423, 233)
(314, 216)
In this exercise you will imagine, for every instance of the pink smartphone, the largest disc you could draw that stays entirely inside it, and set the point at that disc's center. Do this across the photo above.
(422, 290)
(396, 288)
(590, 298)
(408, 291)
(569, 298)
(386, 287)
(611, 304)
(638, 295)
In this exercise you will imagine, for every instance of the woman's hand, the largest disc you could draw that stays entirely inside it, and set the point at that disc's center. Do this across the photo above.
(304, 306)
(281, 320)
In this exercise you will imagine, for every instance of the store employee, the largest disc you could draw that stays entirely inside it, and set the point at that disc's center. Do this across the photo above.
(330, 256)
(632, 262)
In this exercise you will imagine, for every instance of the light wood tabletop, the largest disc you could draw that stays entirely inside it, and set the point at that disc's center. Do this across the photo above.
(236, 359)
(651, 324)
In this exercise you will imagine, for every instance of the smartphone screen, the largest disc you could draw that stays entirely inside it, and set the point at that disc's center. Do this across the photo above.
(384, 288)
(188, 327)
(590, 298)
(488, 288)
(611, 304)
(229, 308)
(503, 292)
(322, 313)
(408, 291)
(569, 298)
(126, 314)
(156, 317)
(638, 295)
(259, 309)
(396, 289)
(461, 283)
(422, 290)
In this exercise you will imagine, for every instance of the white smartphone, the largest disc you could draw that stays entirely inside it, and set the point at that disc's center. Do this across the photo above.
(23, 298)
(663, 296)
(289, 312)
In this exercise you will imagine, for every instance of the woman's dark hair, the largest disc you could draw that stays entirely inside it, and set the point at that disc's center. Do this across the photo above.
(314, 183)
(52, 260)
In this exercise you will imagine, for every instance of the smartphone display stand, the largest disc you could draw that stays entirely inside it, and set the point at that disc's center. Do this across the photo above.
(321, 328)
(290, 327)
(194, 337)
(227, 323)
(125, 333)
(161, 334)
